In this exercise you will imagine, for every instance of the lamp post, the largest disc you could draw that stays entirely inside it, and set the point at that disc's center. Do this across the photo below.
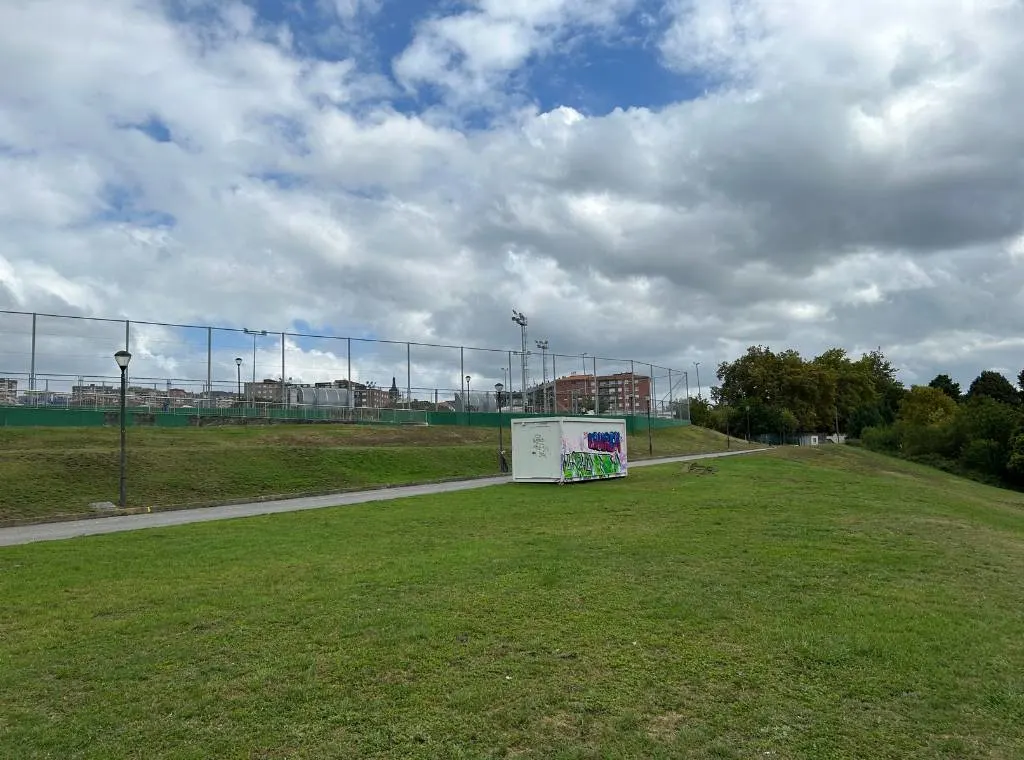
(238, 365)
(469, 403)
(696, 366)
(498, 388)
(123, 358)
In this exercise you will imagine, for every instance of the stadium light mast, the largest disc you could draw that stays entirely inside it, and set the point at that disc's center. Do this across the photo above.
(520, 319)
(543, 346)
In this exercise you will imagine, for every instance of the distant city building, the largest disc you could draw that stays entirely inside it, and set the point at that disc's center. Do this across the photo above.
(620, 393)
(95, 395)
(8, 391)
(263, 392)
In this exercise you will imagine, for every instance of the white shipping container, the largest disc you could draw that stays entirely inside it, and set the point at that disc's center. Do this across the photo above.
(568, 449)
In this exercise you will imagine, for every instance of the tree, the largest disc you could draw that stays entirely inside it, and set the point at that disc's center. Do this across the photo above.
(945, 384)
(993, 385)
(883, 377)
(1015, 463)
(700, 412)
(862, 418)
(924, 406)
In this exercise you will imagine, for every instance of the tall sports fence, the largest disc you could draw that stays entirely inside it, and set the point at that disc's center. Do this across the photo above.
(66, 362)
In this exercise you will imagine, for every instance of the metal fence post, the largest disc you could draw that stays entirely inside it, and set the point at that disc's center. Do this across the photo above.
(654, 395)
(632, 395)
(351, 393)
(554, 385)
(209, 366)
(284, 396)
(32, 370)
(408, 376)
(686, 375)
(670, 404)
(462, 378)
(127, 335)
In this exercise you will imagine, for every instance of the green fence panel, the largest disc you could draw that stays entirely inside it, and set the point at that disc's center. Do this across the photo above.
(24, 416)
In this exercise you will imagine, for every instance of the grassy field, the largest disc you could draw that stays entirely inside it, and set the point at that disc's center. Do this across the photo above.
(797, 604)
(47, 473)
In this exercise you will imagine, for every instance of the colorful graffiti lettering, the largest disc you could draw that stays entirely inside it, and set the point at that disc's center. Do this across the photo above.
(609, 441)
(586, 465)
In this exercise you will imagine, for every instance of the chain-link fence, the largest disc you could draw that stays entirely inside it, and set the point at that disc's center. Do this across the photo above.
(67, 361)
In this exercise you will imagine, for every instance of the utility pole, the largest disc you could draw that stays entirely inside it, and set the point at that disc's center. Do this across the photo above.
(520, 319)
(697, 366)
(543, 346)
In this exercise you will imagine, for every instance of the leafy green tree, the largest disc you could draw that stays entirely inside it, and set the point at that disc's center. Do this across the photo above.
(994, 386)
(700, 412)
(945, 384)
(924, 406)
(1015, 462)
(883, 378)
(986, 456)
(854, 388)
(863, 417)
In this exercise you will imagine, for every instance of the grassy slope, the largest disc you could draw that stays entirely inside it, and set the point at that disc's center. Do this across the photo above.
(799, 604)
(50, 472)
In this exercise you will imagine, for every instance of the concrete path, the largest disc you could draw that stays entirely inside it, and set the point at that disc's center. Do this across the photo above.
(26, 534)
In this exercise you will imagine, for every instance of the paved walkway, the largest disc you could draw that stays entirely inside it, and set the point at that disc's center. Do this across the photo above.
(26, 534)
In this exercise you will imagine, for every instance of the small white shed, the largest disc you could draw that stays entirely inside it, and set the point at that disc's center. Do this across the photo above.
(568, 449)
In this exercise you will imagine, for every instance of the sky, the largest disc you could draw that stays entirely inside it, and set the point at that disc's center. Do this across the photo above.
(669, 182)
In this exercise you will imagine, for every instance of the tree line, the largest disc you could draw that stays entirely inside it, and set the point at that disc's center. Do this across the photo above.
(772, 396)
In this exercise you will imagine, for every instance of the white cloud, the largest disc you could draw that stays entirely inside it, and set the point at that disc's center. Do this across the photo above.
(850, 178)
(470, 54)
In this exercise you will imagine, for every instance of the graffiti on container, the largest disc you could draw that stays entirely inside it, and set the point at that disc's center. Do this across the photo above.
(584, 465)
(608, 441)
(540, 447)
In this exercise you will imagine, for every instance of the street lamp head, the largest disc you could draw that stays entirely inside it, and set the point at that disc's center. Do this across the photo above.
(123, 358)
(499, 387)
(468, 378)
(238, 361)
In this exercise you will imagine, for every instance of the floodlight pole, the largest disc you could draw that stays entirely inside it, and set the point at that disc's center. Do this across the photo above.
(543, 346)
(520, 319)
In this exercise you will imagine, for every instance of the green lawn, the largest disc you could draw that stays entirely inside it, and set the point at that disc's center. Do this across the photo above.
(797, 604)
(50, 473)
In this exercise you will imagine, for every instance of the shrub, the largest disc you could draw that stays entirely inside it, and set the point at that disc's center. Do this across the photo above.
(880, 438)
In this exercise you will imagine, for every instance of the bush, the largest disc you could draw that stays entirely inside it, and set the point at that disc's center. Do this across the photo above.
(880, 438)
(985, 456)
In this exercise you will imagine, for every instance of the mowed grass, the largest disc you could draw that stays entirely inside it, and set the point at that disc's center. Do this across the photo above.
(797, 604)
(53, 473)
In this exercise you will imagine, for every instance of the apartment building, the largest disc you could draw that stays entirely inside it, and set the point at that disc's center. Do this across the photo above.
(8, 391)
(264, 391)
(621, 393)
